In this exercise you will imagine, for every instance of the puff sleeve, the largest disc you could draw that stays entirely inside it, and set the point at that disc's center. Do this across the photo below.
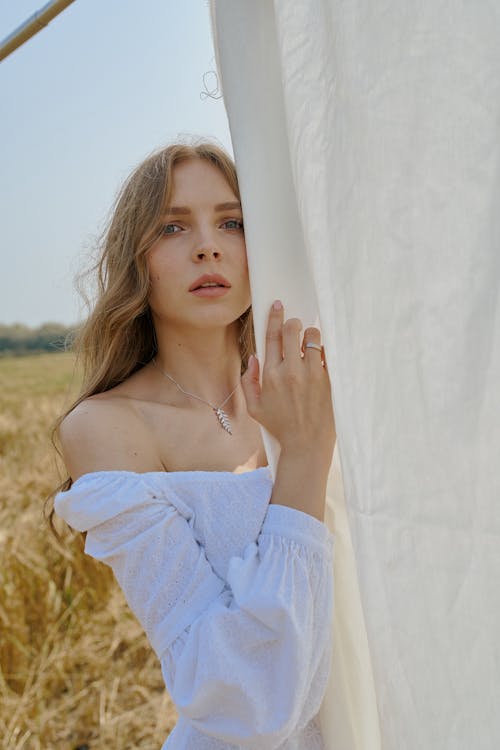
(245, 660)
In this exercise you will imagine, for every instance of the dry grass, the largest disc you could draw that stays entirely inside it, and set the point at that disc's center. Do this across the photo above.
(76, 670)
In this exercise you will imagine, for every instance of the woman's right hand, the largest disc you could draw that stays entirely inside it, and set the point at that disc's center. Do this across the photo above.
(294, 402)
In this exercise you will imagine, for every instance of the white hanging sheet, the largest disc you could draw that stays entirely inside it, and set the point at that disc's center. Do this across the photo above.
(367, 141)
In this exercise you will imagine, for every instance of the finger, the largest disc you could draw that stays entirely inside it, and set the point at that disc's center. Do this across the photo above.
(291, 339)
(311, 336)
(274, 336)
(312, 355)
(250, 383)
(313, 359)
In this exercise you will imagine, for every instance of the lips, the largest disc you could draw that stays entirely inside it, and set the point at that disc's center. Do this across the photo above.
(207, 278)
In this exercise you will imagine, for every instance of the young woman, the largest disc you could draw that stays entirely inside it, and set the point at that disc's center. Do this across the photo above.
(229, 573)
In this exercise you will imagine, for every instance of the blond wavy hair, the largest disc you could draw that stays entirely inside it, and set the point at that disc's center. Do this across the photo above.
(118, 335)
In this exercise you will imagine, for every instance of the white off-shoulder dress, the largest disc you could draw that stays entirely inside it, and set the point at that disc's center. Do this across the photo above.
(235, 595)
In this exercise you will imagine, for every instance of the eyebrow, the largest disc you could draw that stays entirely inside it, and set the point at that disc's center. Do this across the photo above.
(219, 207)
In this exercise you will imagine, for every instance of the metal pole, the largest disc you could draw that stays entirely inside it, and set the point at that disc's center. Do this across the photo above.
(32, 26)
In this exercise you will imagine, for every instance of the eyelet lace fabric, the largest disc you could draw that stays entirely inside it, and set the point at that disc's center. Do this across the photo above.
(235, 595)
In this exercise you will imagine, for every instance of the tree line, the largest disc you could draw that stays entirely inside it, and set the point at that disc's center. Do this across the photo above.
(19, 339)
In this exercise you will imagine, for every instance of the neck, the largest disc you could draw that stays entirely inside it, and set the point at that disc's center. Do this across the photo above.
(205, 363)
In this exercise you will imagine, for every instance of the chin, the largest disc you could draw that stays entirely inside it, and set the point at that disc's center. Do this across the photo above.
(206, 314)
(222, 318)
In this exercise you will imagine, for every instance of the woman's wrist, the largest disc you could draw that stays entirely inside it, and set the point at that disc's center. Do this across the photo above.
(310, 457)
(301, 480)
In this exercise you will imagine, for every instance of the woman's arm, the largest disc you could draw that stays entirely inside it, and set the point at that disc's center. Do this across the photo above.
(294, 404)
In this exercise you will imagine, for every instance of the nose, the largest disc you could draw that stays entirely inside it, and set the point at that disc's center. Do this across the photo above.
(207, 251)
(205, 245)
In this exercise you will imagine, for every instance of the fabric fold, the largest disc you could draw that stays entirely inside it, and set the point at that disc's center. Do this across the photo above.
(221, 642)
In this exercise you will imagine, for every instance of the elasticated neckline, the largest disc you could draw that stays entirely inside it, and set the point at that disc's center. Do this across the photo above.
(112, 474)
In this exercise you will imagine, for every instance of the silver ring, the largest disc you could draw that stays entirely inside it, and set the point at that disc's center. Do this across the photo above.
(313, 346)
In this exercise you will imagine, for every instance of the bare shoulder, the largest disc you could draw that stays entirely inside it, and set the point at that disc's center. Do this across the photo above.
(105, 433)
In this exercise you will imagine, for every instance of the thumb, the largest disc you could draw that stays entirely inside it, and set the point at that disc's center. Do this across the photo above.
(250, 383)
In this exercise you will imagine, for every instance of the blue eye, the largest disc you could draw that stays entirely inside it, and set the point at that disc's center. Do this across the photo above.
(167, 227)
(234, 221)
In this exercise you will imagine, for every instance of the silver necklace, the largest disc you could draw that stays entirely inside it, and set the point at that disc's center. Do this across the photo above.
(219, 412)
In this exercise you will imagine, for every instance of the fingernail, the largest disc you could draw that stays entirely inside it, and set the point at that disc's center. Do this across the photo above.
(277, 305)
(251, 360)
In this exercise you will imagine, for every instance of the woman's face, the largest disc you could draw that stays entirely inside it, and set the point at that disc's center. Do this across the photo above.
(202, 234)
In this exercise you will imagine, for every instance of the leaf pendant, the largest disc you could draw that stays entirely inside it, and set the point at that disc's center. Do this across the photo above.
(223, 419)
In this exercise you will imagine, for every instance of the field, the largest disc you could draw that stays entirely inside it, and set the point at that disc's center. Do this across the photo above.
(76, 671)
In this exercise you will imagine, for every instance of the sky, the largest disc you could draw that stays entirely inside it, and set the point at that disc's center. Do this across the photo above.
(82, 102)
